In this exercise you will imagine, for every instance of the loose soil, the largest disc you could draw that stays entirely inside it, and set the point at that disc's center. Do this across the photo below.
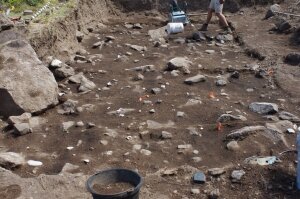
(113, 188)
(275, 181)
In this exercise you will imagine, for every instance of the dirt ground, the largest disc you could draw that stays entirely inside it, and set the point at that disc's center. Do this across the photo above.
(50, 143)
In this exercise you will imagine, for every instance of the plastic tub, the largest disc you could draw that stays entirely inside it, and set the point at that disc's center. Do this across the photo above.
(111, 176)
(173, 28)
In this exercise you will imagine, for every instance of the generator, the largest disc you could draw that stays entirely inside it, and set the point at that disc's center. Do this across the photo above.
(178, 15)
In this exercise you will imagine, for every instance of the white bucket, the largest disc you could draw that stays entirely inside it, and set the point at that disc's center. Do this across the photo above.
(173, 28)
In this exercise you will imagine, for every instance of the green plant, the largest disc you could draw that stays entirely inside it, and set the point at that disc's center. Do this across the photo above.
(34, 2)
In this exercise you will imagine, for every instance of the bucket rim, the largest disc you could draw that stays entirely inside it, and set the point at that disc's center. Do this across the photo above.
(120, 194)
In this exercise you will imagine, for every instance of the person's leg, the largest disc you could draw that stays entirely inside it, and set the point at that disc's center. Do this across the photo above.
(222, 19)
(209, 15)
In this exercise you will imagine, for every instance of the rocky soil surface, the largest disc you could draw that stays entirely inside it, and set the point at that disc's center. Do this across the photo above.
(198, 115)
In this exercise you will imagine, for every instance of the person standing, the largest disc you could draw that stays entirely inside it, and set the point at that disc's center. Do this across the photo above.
(217, 7)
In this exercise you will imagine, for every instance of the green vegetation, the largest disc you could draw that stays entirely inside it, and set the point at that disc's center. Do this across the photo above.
(19, 5)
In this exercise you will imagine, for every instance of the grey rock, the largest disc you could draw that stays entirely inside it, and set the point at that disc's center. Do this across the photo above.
(179, 63)
(138, 77)
(156, 90)
(284, 26)
(199, 36)
(199, 178)
(179, 40)
(155, 125)
(109, 38)
(22, 129)
(195, 191)
(263, 107)
(79, 36)
(292, 59)
(11, 160)
(98, 44)
(184, 146)
(67, 125)
(216, 171)
(210, 51)
(157, 34)
(35, 89)
(226, 38)
(233, 146)
(195, 79)
(27, 12)
(279, 127)
(152, 111)
(288, 116)
(85, 84)
(138, 48)
(229, 117)
(69, 168)
(214, 194)
(80, 124)
(166, 135)
(272, 11)
(80, 58)
(5, 23)
(145, 152)
(244, 132)
(137, 26)
(196, 159)
(180, 114)
(221, 82)
(12, 120)
(64, 71)
(146, 68)
(68, 107)
(237, 175)
(55, 63)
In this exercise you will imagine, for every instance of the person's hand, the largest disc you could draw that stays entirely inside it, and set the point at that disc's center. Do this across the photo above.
(222, 1)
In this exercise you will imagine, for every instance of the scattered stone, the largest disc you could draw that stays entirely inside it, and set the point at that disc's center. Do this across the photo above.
(69, 168)
(64, 71)
(146, 68)
(290, 131)
(86, 85)
(80, 124)
(121, 111)
(104, 142)
(292, 59)
(233, 146)
(216, 171)
(90, 125)
(34, 163)
(195, 79)
(156, 90)
(195, 191)
(138, 77)
(79, 36)
(98, 44)
(221, 82)
(109, 38)
(152, 111)
(56, 64)
(228, 117)
(244, 132)
(145, 152)
(67, 125)
(155, 125)
(255, 53)
(214, 194)
(210, 51)
(86, 161)
(137, 26)
(225, 38)
(235, 75)
(24, 118)
(237, 175)
(180, 114)
(180, 40)
(199, 36)
(166, 135)
(138, 48)
(170, 172)
(263, 107)
(272, 11)
(199, 178)
(68, 107)
(196, 159)
(279, 127)
(184, 146)
(11, 160)
(283, 26)
(179, 63)
(22, 129)
(137, 147)
(288, 116)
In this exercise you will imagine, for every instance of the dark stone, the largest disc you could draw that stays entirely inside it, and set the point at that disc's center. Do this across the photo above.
(199, 178)
(292, 59)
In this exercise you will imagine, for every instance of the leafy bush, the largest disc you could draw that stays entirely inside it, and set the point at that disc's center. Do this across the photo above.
(34, 2)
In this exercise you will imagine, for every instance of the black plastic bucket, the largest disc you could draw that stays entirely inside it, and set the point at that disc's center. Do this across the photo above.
(115, 176)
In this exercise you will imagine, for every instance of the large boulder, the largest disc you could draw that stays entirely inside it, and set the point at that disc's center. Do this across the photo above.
(26, 85)
(5, 24)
